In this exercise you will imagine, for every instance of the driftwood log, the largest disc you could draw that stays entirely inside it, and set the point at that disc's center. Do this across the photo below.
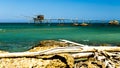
(75, 51)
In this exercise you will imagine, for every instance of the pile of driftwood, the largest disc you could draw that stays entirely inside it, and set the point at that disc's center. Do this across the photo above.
(84, 56)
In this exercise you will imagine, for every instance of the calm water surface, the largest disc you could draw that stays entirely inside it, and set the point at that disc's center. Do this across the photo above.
(21, 37)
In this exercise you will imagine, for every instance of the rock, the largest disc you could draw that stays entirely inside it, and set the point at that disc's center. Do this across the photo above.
(52, 43)
(56, 63)
(3, 51)
(69, 60)
(104, 44)
(23, 63)
(48, 44)
(51, 61)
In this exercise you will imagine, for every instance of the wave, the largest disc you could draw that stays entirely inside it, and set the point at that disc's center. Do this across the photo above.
(2, 30)
(86, 40)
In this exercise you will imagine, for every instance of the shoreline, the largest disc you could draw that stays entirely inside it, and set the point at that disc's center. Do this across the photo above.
(83, 43)
(63, 60)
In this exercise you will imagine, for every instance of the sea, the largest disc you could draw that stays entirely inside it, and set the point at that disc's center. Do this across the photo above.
(18, 37)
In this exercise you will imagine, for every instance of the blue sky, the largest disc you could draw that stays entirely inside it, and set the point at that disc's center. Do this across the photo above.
(16, 10)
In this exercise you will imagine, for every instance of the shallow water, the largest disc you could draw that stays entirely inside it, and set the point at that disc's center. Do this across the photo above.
(23, 36)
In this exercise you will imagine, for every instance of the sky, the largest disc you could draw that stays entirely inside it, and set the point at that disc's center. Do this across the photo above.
(24, 10)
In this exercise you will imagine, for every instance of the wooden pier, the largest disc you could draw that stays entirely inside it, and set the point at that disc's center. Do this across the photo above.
(76, 21)
(41, 19)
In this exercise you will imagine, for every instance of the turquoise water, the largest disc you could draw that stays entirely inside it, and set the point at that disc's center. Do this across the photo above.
(21, 37)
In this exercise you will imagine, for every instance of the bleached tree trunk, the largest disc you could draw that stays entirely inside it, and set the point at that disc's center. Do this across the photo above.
(76, 49)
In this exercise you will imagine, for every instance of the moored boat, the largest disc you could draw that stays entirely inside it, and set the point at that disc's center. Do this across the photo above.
(83, 24)
(75, 24)
(114, 22)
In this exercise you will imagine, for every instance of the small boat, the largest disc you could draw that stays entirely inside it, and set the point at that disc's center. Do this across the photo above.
(114, 22)
(83, 24)
(75, 24)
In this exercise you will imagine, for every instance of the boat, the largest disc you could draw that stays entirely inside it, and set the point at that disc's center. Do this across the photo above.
(75, 24)
(114, 22)
(83, 24)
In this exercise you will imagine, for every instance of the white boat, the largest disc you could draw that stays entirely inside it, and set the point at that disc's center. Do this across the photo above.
(75, 24)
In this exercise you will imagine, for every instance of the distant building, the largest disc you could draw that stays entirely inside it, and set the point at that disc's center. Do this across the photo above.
(39, 18)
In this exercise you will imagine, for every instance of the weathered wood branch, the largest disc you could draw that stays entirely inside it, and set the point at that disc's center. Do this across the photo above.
(75, 49)
(71, 42)
(82, 55)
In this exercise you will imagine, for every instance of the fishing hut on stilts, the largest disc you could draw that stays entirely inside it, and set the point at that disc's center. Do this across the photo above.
(61, 21)
(39, 19)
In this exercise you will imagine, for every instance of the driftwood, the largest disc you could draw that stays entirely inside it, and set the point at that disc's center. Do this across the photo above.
(76, 49)
(71, 42)
(84, 56)
(100, 59)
